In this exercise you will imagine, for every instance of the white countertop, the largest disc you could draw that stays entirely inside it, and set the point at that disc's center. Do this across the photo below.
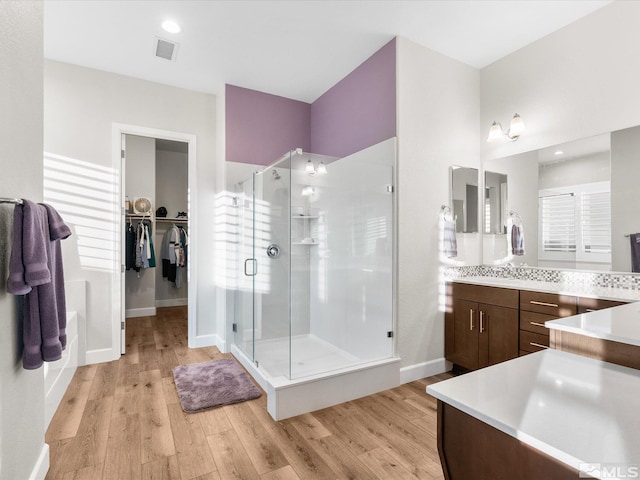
(575, 409)
(619, 324)
(605, 293)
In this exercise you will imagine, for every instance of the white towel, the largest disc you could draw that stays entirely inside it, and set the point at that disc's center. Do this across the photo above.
(449, 242)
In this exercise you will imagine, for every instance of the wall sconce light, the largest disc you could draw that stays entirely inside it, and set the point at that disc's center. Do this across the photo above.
(312, 170)
(308, 191)
(516, 128)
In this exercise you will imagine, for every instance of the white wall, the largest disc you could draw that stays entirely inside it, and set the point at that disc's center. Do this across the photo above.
(438, 116)
(172, 181)
(575, 171)
(22, 449)
(574, 83)
(81, 105)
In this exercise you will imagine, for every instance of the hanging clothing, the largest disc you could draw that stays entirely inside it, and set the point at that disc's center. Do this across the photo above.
(144, 252)
(174, 254)
(36, 271)
(130, 248)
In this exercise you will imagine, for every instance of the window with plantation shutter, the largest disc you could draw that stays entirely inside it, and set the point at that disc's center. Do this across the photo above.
(575, 223)
(596, 222)
(558, 227)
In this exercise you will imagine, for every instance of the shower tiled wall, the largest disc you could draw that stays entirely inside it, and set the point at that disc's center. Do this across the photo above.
(629, 281)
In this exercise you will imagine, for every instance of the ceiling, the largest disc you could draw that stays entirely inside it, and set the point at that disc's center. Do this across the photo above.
(293, 48)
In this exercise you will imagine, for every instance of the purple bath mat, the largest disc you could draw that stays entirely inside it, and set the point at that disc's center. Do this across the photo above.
(213, 384)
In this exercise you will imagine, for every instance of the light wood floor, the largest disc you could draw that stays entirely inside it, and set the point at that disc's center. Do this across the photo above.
(122, 420)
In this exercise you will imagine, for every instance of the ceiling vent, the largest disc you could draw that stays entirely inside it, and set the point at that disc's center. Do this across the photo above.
(166, 49)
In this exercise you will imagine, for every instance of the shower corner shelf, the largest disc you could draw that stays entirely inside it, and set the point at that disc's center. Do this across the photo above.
(305, 216)
(304, 243)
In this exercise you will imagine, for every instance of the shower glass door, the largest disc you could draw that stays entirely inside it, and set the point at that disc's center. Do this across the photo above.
(262, 325)
(272, 282)
(243, 326)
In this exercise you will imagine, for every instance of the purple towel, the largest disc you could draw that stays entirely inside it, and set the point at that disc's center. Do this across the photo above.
(517, 240)
(37, 232)
(28, 265)
(634, 239)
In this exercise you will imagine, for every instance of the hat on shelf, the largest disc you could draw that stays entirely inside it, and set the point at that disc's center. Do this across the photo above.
(161, 212)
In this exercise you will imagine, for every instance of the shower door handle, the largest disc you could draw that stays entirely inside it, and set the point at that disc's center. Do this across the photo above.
(254, 269)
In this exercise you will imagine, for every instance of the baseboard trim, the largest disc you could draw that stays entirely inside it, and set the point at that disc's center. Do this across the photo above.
(418, 371)
(140, 312)
(41, 467)
(102, 355)
(200, 341)
(172, 302)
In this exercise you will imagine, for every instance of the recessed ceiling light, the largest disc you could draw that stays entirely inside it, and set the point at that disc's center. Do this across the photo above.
(170, 26)
(558, 152)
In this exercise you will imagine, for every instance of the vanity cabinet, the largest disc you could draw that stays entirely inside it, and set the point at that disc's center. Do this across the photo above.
(535, 309)
(481, 325)
(586, 305)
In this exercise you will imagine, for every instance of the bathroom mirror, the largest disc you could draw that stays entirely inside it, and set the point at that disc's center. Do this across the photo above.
(464, 198)
(495, 202)
(578, 202)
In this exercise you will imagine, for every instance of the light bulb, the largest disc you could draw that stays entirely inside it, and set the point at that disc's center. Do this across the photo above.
(322, 169)
(517, 127)
(495, 132)
(170, 26)
(310, 169)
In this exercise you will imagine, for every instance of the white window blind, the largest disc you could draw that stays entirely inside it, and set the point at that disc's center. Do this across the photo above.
(596, 222)
(575, 223)
(558, 225)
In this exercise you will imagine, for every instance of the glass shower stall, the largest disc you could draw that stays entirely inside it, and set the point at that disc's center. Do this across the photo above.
(315, 250)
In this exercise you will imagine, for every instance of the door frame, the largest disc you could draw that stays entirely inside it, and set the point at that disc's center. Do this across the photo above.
(119, 129)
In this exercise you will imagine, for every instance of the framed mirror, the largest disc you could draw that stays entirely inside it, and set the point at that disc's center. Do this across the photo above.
(578, 202)
(495, 203)
(464, 198)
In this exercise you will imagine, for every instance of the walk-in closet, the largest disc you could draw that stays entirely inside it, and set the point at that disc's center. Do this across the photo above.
(156, 224)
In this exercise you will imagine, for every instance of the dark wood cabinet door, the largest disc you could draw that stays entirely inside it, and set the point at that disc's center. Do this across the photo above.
(465, 334)
(498, 334)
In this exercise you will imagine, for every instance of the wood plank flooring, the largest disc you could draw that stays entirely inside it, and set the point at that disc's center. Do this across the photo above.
(122, 420)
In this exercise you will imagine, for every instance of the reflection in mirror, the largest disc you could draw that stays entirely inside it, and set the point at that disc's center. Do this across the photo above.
(577, 201)
(495, 202)
(464, 198)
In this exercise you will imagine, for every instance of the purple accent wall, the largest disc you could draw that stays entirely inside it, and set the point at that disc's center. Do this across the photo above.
(360, 110)
(261, 127)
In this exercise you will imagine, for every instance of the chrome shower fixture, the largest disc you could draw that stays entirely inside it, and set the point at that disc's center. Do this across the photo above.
(276, 175)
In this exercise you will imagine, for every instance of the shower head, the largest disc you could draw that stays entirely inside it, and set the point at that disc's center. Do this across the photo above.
(276, 175)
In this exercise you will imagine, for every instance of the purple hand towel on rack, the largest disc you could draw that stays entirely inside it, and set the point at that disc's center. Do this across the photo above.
(517, 240)
(634, 240)
(28, 265)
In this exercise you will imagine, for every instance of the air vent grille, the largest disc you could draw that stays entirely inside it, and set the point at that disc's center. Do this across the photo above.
(166, 49)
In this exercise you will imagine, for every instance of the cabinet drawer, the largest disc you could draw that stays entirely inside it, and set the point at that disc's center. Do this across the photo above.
(548, 303)
(532, 342)
(591, 304)
(503, 297)
(534, 322)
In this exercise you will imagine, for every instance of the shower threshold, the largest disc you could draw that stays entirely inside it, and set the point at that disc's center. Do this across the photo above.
(318, 389)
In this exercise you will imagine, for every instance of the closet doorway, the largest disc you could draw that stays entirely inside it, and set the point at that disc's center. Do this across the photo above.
(157, 169)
